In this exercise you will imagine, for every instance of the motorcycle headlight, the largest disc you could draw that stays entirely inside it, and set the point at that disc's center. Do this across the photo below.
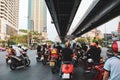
(9, 61)
(90, 60)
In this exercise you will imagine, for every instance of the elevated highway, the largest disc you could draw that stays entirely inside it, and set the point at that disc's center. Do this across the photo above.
(63, 13)
(102, 11)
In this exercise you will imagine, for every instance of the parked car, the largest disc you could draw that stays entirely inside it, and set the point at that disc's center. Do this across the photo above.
(2, 49)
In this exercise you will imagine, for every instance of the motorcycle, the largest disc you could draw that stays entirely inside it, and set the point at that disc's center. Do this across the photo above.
(67, 70)
(22, 60)
(54, 64)
(90, 64)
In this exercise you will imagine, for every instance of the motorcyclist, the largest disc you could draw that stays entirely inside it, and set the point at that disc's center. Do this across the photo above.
(58, 47)
(94, 52)
(11, 51)
(53, 52)
(77, 51)
(18, 52)
(67, 55)
(39, 50)
(93, 56)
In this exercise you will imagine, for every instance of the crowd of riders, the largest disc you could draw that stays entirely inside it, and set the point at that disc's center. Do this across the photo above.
(74, 52)
(16, 57)
(67, 53)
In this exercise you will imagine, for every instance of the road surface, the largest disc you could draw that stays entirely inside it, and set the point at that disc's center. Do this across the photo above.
(37, 71)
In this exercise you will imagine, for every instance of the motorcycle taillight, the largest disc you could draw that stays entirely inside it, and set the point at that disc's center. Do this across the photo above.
(67, 68)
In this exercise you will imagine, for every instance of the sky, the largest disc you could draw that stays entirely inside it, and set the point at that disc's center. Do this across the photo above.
(52, 34)
(23, 6)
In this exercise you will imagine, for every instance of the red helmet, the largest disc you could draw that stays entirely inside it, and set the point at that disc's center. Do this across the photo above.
(116, 46)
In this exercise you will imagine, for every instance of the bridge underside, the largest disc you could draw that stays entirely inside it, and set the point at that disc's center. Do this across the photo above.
(103, 11)
(63, 13)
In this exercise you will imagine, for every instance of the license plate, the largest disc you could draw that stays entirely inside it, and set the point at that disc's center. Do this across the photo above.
(65, 76)
(52, 63)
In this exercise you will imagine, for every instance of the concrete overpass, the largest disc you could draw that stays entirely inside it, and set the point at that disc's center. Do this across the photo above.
(63, 13)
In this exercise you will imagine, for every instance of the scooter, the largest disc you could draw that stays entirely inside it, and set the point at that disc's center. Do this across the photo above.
(90, 65)
(67, 70)
(22, 60)
(54, 64)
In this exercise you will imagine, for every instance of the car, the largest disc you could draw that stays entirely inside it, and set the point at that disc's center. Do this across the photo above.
(2, 49)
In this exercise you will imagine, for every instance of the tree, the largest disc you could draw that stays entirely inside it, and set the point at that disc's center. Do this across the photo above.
(49, 41)
(23, 30)
(82, 40)
(94, 39)
(36, 36)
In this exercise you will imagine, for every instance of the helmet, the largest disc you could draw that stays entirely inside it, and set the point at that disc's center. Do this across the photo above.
(49, 45)
(116, 46)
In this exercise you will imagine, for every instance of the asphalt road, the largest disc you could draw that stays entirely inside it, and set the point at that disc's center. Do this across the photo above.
(37, 71)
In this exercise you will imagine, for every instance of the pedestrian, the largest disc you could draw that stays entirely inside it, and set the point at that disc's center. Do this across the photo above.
(112, 65)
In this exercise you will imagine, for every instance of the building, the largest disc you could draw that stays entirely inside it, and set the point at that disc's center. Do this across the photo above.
(37, 17)
(119, 28)
(8, 18)
(94, 33)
